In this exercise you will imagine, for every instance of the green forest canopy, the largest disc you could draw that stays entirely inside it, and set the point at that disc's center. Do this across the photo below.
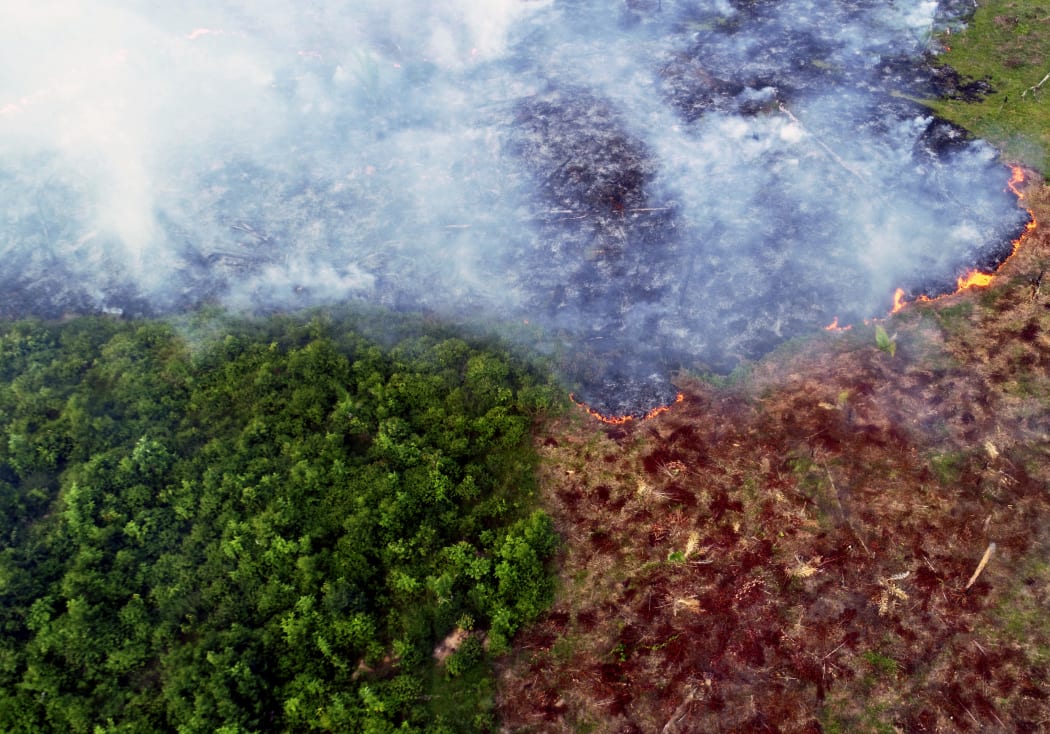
(265, 529)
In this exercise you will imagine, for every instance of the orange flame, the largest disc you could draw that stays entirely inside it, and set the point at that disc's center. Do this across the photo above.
(619, 420)
(975, 278)
(898, 300)
(1017, 179)
(834, 326)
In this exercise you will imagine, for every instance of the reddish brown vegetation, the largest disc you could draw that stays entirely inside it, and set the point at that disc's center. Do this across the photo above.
(790, 555)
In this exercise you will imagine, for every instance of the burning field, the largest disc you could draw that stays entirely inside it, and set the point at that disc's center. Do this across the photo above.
(843, 530)
(851, 537)
(657, 185)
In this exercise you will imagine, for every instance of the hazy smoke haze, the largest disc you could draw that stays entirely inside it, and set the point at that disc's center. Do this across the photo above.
(659, 183)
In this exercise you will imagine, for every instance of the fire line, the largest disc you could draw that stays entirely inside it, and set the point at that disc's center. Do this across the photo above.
(619, 420)
(973, 278)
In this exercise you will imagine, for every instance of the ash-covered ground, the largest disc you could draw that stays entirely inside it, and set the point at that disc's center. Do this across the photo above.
(659, 184)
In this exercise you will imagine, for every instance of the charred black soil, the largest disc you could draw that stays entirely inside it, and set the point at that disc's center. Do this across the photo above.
(796, 551)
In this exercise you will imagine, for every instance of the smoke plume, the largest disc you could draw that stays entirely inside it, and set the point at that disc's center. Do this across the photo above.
(657, 183)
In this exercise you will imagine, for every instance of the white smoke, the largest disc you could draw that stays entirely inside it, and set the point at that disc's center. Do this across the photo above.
(753, 168)
(116, 100)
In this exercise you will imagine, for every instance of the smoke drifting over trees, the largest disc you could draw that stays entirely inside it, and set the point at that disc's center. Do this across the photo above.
(660, 184)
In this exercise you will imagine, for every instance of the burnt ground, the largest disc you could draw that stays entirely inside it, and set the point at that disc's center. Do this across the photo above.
(789, 551)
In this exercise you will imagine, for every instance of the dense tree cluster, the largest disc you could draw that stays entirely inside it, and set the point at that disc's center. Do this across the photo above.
(233, 526)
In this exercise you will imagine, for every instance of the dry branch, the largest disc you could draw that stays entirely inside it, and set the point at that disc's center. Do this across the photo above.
(824, 146)
(679, 717)
(980, 566)
(1035, 88)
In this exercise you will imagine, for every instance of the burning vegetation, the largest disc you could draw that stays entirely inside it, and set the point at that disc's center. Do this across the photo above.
(810, 546)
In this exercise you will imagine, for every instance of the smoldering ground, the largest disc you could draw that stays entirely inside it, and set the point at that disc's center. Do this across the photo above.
(658, 183)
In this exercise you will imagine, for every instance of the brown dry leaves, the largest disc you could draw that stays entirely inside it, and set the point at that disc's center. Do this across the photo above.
(792, 554)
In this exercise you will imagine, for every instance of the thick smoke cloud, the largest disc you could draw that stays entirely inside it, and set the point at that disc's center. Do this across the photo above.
(659, 183)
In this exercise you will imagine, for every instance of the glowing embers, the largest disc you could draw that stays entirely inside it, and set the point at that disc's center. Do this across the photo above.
(619, 420)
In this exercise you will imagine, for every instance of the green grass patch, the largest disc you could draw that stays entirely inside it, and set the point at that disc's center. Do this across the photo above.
(462, 702)
(881, 665)
(1007, 44)
(955, 319)
(1021, 615)
(834, 719)
(948, 467)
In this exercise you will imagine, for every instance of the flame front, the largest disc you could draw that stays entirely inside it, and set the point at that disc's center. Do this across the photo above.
(972, 279)
(1017, 180)
(975, 278)
(619, 420)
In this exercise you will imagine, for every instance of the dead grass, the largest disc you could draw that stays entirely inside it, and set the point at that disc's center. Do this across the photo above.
(791, 553)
